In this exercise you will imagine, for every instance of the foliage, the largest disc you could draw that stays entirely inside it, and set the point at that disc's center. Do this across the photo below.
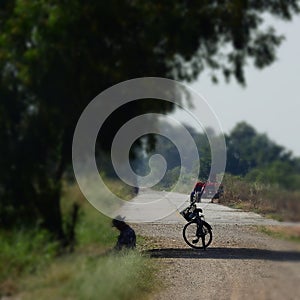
(266, 176)
(249, 154)
(284, 175)
(25, 249)
(169, 182)
(122, 277)
(169, 151)
(92, 226)
(127, 275)
(55, 56)
(31, 266)
(261, 160)
(248, 149)
(24, 252)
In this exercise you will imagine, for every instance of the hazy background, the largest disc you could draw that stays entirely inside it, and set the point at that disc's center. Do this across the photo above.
(270, 100)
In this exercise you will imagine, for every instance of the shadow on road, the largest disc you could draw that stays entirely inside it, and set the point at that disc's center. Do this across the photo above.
(226, 253)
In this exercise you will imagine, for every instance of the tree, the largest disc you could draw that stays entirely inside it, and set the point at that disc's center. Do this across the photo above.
(247, 149)
(55, 56)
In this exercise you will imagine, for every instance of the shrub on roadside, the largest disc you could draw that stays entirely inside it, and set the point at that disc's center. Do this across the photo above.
(29, 263)
(24, 251)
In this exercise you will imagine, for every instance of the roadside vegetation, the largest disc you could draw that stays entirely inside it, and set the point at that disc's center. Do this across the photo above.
(261, 176)
(34, 266)
(290, 233)
(267, 199)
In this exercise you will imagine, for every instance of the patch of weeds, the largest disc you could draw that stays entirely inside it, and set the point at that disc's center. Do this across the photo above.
(290, 233)
(120, 275)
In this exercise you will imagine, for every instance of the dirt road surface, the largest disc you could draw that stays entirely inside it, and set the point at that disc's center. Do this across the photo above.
(241, 263)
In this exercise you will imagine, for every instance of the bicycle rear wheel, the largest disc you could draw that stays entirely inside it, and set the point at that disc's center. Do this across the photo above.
(190, 237)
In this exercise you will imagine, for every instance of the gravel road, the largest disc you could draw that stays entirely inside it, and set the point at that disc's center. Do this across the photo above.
(241, 263)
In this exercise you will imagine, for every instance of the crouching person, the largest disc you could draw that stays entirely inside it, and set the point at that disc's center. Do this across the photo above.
(127, 237)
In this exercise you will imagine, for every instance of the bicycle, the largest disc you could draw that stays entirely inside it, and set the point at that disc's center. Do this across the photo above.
(197, 229)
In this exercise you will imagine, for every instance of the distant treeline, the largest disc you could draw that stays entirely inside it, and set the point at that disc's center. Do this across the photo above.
(250, 154)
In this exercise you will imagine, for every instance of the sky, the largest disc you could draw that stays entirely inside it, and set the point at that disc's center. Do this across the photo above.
(270, 102)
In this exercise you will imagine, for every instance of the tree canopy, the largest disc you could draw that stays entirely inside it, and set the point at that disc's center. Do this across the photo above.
(247, 149)
(57, 55)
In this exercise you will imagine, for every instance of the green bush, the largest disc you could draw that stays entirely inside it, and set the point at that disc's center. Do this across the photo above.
(29, 260)
(24, 251)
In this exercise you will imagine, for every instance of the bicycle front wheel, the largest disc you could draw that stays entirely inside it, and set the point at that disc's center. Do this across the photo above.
(190, 235)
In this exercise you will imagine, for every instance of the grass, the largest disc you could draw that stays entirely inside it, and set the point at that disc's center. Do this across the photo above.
(93, 227)
(23, 253)
(127, 275)
(289, 233)
(31, 269)
(268, 200)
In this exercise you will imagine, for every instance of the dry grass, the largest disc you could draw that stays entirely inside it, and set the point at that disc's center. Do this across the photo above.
(268, 200)
(287, 233)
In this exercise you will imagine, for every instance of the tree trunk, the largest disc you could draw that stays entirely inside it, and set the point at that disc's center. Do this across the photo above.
(49, 207)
